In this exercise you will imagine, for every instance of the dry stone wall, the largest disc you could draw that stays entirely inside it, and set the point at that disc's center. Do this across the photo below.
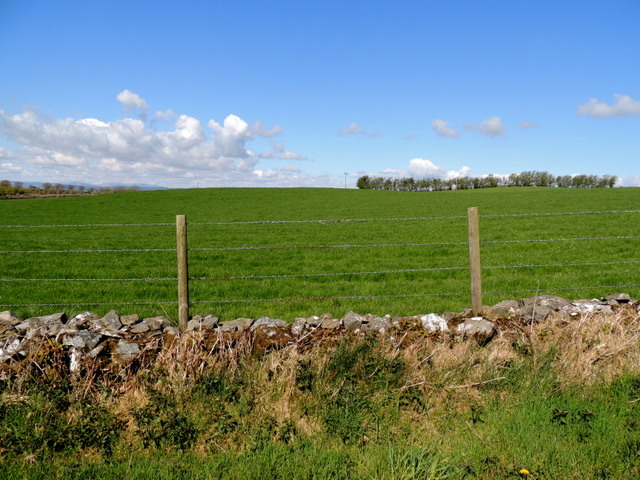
(120, 339)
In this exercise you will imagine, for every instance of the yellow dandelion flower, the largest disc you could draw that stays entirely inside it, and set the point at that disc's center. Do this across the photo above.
(524, 471)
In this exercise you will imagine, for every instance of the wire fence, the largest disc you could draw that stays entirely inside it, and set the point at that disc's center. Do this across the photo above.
(39, 254)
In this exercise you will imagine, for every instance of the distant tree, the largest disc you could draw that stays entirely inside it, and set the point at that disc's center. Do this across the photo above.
(363, 182)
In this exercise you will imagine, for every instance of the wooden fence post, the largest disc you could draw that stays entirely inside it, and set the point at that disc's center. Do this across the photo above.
(474, 260)
(183, 271)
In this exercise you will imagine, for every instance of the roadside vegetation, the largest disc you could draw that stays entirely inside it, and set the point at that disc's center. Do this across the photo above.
(555, 400)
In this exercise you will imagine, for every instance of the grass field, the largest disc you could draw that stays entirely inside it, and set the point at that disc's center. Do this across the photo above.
(220, 212)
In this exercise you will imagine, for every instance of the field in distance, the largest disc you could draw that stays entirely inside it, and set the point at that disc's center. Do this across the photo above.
(401, 253)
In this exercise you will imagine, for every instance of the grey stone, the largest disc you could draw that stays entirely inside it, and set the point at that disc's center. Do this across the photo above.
(552, 302)
(207, 321)
(96, 351)
(314, 321)
(81, 319)
(110, 321)
(298, 327)
(534, 313)
(331, 323)
(9, 347)
(81, 339)
(617, 298)
(75, 356)
(127, 350)
(434, 323)
(127, 320)
(108, 332)
(478, 328)
(9, 316)
(139, 328)
(266, 322)
(237, 325)
(353, 321)
(171, 331)
(200, 321)
(22, 328)
(378, 325)
(583, 307)
(503, 309)
(156, 323)
(7, 322)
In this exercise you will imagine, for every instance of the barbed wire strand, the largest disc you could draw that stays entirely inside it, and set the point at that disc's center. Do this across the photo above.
(346, 246)
(302, 275)
(162, 279)
(344, 220)
(92, 225)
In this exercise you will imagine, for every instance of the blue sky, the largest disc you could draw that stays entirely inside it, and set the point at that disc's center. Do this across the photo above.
(199, 93)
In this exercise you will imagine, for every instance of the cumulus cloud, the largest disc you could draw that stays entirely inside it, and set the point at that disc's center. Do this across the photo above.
(442, 128)
(423, 168)
(132, 101)
(127, 150)
(491, 127)
(623, 106)
(354, 128)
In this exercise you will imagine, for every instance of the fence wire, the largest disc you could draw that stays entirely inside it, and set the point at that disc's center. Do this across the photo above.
(304, 247)
(331, 220)
(323, 274)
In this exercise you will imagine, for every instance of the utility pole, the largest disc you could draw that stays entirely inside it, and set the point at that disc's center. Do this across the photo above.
(345, 179)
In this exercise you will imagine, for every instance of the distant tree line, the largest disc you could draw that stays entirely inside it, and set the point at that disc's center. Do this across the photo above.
(524, 179)
(10, 189)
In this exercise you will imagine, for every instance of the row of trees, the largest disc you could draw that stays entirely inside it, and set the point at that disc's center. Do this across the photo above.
(18, 189)
(524, 179)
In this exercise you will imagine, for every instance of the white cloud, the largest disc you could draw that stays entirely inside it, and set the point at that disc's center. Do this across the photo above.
(9, 168)
(354, 128)
(527, 125)
(623, 106)
(491, 127)
(164, 115)
(260, 130)
(132, 101)
(633, 181)
(442, 128)
(279, 152)
(423, 168)
(126, 150)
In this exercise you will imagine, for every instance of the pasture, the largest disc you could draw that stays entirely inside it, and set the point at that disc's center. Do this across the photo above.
(398, 253)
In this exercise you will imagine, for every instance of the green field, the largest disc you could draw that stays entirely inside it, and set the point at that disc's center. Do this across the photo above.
(224, 227)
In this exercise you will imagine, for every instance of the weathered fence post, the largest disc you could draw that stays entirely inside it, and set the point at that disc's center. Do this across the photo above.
(183, 271)
(474, 260)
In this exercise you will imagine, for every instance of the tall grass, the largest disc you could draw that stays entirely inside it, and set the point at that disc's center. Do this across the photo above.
(273, 274)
